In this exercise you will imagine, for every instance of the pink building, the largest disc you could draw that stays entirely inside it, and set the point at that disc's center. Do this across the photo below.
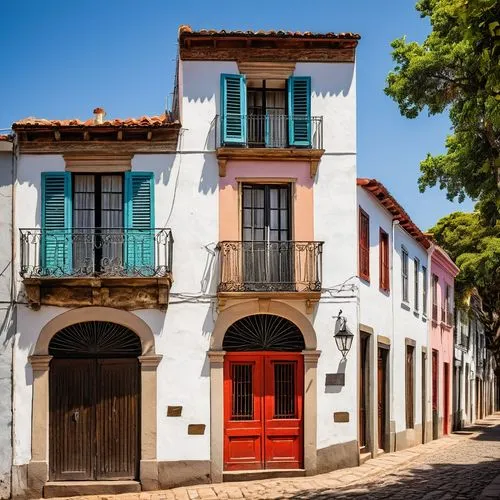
(443, 272)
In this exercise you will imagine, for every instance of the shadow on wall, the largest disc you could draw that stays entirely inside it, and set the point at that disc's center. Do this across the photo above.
(443, 480)
(209, 179)
(331, 79)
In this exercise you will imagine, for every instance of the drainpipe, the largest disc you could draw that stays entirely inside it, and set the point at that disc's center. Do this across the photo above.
(392, 408)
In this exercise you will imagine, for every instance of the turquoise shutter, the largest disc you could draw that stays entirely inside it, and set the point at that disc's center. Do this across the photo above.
(139, 222)
(233, 109)
(56, 242)
(299, 109)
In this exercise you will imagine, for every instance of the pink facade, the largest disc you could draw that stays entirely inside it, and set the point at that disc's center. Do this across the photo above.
(443, 272)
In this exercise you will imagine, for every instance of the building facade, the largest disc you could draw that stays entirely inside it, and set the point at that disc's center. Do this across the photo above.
(140, 362)
(443, 272)
(7, 313)
(393, 370)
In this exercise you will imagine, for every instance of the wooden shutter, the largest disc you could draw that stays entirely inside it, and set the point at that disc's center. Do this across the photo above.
(233, 109)
(139, 220)
(384, 260)
(364, 245)
(409, 387)
(299, 110)
(56, 223)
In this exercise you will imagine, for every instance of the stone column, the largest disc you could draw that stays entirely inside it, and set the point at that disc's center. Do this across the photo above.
(310, 410)
(216, 415)
(38, 467)
(149, 464)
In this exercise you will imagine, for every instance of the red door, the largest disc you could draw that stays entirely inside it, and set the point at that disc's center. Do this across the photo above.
(263, 413)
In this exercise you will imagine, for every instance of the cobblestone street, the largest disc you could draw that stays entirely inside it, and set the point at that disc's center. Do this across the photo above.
(459, 466)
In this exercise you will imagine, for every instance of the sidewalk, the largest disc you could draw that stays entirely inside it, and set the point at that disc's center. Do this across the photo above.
(328, 483)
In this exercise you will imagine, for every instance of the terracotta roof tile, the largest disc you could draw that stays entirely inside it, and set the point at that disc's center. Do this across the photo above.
(187, 30)
(143, 121)
(385, 198)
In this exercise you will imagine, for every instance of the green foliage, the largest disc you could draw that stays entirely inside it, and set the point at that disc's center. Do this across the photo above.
(456, 70)
(475, 247)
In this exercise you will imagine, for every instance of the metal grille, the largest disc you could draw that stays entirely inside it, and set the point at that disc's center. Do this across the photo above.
(241, 376)
(95, 339)
(263, 332)
(284, 390)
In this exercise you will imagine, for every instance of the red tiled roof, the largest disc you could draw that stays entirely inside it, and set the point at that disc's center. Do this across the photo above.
(143, 121)
(187, 30)
(385, 198)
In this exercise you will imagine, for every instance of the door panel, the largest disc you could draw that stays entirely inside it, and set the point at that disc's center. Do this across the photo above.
(243, 412)
(284, 379)
(381, 386)
(72, 419)
(117, 416)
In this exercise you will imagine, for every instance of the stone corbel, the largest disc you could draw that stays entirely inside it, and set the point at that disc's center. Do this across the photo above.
(310, 305)
(313, 167)
(32, 289)
(222, 166)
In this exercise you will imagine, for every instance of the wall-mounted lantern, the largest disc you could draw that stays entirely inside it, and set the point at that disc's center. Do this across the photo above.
(343, 337)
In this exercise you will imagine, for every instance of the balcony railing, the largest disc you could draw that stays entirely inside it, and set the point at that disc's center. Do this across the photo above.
(276, 266)
(271, 131)
(94, 252)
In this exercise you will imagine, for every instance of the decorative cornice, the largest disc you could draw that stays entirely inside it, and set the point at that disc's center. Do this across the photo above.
(150, 360)
(40, 362)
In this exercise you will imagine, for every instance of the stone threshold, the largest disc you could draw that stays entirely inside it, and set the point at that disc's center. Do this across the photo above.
(252, 475)
(77, 488)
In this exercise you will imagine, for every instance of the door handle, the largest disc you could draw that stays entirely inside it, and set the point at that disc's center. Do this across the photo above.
(76, 416)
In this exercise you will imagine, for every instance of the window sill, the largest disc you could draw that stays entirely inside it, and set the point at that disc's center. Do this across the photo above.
(416, 313)
(405, 305)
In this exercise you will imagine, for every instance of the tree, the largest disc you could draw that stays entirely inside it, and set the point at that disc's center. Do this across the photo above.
(475, 248)
(456, 70)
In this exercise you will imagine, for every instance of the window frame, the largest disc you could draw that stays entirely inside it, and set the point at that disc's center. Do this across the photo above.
(410, 384)
(434, 297)
(405, 264)
(363, 253)
(425, 290)
(416, 283)
(384, 270)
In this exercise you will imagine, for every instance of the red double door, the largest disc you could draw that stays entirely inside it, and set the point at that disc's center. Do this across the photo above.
(263, 410)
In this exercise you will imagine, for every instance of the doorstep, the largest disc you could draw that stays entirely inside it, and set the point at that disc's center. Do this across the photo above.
(252, 475)
(76, 488)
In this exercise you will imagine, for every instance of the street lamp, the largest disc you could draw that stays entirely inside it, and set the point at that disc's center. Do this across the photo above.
(343, 337)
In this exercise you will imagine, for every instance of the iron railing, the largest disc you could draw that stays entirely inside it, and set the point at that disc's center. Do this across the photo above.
(270, 266)
(271, 131)
(86, 252)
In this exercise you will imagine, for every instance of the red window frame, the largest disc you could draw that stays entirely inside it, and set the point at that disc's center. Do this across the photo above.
(364, 245)
(384, 260)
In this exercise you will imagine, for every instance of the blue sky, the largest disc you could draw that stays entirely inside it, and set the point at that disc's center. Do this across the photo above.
(61, 58)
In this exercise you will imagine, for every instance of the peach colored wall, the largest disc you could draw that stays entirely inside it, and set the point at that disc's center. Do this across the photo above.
(280, 171)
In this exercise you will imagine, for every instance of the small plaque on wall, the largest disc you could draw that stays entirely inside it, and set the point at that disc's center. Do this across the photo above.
(196, 429)
(335, 379)
(174, 411)
(341, 416)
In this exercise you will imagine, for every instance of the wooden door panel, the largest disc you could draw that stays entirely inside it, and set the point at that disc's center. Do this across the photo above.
(284, 378)
(243, 426)
(381, 386)
(117, 417)
(72, 419)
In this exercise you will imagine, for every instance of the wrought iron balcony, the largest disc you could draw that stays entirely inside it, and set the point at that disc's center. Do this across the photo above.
(270, 266)
(271, 131)
(95, 252)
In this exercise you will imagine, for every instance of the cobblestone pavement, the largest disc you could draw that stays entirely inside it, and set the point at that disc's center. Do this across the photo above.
(460, 466)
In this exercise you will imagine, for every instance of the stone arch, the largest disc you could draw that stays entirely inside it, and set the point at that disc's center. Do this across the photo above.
(119, 316)
(232, 314)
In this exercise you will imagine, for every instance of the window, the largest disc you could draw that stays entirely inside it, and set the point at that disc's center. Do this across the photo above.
(384, 261)
(448, 306)
(364, 245)
(410, 393)
(435, 281)
(416, 274)
(278, 113)
(404, 273)
(424, 290)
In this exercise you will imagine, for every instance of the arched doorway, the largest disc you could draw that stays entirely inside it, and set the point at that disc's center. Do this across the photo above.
(94, 405)
(263, 394)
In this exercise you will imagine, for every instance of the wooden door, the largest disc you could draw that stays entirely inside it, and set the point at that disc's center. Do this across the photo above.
(284, 379)
(117, 418)
(424, 396)
(381, 394)
(435, 395)
(94, 419)
(363, 393)
(263, 411)
(446, 398)
(72, 419)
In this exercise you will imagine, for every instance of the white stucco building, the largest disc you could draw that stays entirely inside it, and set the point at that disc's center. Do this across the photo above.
(173, 270)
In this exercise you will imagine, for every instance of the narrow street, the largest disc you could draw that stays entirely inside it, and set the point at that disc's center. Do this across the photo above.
(459, 466)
